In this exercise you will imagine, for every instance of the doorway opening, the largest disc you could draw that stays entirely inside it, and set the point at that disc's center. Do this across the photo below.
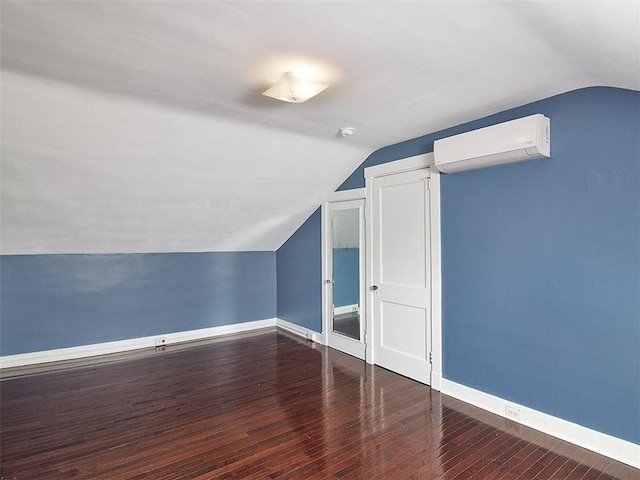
(343, 263)
(403, 268)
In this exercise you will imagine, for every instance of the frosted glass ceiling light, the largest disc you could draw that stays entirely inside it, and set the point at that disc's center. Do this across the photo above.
(293, 89)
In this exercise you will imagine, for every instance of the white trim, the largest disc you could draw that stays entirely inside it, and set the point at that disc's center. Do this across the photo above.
(82, 351)
(616, 448)
(425, 161)
(346, 309)
(369, 353)
(436, 278)
(408, 164)
(303, 332)
(325, 271)
(71, 353)
(325, 259)
(346, 195)
(326, 267)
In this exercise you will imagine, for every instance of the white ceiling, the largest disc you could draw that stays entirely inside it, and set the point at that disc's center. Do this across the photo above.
(133, 126)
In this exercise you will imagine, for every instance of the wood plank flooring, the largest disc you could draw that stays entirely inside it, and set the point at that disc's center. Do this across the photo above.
(264, 406)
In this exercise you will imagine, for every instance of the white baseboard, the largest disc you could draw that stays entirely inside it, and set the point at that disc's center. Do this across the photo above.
(71, 353)
(82, 351)
(616, 448)
(300, 331)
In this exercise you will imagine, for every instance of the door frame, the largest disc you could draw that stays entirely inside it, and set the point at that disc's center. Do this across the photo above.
(417, 162)
(327, 313)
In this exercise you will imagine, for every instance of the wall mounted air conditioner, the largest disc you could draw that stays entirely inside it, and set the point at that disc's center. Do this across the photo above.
(521, 139)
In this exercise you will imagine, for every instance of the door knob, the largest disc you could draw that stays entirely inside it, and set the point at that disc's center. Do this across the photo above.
(374, 288)
(328, 281)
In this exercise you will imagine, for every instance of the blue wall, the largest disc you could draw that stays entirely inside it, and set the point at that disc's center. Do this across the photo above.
(541, 264)
(541, 268)
(55, 301)
(346, 276)
(299, 276)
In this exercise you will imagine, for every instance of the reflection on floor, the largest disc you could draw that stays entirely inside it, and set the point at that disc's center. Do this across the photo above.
(264, 406)
(347, 324)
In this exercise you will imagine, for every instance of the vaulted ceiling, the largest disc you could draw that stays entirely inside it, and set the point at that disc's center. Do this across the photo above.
(132, 126)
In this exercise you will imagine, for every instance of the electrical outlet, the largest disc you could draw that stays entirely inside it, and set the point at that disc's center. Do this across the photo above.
(161, 342)
(512, 412)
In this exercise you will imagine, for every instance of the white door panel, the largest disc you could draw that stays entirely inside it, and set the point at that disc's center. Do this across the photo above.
(403, 232)
(403, 318)
(401, 273)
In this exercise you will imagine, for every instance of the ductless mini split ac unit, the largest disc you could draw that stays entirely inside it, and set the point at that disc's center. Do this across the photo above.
(522, 139)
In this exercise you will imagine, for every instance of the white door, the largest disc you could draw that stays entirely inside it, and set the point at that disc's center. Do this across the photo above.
(401, 273)
(343, 267)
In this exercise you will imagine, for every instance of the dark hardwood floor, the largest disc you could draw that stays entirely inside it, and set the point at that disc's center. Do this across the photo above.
(268, 406)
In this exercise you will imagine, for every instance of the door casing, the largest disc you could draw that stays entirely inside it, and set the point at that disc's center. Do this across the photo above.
(347, 345)
(419, 162)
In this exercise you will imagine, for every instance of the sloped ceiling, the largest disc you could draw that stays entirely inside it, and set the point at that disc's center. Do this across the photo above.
(139, 126)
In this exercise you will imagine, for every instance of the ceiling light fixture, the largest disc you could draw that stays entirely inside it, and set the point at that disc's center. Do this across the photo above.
(293, 89)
